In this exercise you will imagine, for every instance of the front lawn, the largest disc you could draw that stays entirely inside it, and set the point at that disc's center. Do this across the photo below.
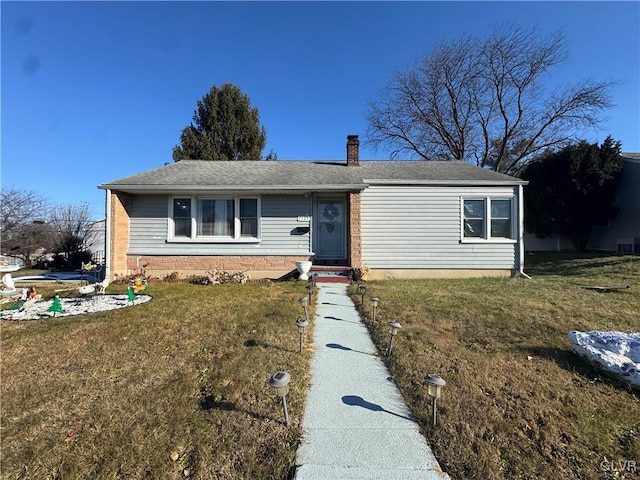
(170, 389)
(518, 403)
(177, 387)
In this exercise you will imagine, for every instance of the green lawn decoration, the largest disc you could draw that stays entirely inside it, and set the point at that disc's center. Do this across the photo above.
(56, 306)
(130, 295)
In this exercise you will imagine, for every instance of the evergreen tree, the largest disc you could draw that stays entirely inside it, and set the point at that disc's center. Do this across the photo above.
(572, 190)
(225, 127)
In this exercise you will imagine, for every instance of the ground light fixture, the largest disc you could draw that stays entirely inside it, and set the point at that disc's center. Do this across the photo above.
(361, 290)
(304, 301)
(395, 326)
(434, 389)
(310, 290)
(280, 383)
(374, 304)
(302, 325)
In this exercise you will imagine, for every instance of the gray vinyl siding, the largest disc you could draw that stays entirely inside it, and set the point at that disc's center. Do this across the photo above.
(627, 223)
(279, 213)
(419, 228)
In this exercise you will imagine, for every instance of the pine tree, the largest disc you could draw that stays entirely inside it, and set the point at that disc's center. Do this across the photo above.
(225, 127)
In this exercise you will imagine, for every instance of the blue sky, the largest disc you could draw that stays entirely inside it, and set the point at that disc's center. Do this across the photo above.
(93, 92)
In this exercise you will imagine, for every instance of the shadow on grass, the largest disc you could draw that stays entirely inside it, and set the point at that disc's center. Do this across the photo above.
(572, 264)
(570, 361)
(252, 343)
(207, 402)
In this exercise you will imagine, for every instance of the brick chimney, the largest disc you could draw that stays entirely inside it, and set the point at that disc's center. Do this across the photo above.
(353, 151)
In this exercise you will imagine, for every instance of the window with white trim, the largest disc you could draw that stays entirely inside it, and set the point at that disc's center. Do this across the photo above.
(488, 218)
(214, 218)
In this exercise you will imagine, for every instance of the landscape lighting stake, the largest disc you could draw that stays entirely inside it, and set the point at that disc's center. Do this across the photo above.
(280, 383)
(374, 303)
(361, 290)
(395, 326)
(434, 389)
(302, 325)
(305, 301)
(310, 290)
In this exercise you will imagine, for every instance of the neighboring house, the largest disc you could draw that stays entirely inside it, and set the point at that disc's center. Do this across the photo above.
(399, 218)
(621, 235)
(95, 240)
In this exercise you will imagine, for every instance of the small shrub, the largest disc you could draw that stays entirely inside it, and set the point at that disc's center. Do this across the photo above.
(216, 277)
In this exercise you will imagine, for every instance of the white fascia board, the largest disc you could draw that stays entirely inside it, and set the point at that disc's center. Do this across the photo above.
(232, 188)
(454, 183)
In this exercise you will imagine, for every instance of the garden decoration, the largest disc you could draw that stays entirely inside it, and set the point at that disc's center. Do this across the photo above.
(7, 267)
(8, 286)
(395, 326)
(280, 383)
(131, 296)
(434, 388)
(56, 306)
(302, 324)
(374, 305)
(330, 213)
(139, 285)
(305, 302)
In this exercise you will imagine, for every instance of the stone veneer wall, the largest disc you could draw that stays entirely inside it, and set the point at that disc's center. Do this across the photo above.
(119, 241)
(258, 266)
(355, 239)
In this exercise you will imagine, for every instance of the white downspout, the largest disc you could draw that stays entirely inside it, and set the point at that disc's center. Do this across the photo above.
(521, 233)
(107, 238)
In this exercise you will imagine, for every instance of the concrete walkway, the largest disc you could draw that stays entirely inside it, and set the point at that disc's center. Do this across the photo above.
(356, 424)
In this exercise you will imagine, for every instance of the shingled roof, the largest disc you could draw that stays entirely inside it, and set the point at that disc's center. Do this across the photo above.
(303, 175)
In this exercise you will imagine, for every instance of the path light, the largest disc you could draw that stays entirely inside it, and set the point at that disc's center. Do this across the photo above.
(304, 301)
(310, 290)
(395, 326)
(302, 325)
(434, 389)
(280, 383)
(361, 290)
(374, 303)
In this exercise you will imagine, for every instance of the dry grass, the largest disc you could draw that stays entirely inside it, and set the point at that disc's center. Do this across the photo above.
(118, 394)
(518, 403)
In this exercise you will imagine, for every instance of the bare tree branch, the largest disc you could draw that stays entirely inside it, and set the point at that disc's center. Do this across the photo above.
(483, 101)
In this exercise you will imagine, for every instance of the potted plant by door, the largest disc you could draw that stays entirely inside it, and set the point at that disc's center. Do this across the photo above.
(360, 272)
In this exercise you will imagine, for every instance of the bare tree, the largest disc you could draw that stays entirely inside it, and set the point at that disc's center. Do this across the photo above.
(483, 101)
(72, 224)
(26, 234)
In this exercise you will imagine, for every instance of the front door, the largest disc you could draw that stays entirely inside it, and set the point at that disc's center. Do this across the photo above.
(330, 231)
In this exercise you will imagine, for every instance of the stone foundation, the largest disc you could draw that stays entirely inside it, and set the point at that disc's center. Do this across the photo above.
(258, 266)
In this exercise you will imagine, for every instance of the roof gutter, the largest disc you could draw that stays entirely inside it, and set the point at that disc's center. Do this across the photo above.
(232, 188)
(457, 183)
(107, 237)
(521, 233)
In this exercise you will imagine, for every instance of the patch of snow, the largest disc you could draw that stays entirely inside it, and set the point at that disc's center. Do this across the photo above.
(616, 352)
(72, 306)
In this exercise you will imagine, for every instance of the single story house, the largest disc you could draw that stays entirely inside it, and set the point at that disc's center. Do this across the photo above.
(398, 218)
